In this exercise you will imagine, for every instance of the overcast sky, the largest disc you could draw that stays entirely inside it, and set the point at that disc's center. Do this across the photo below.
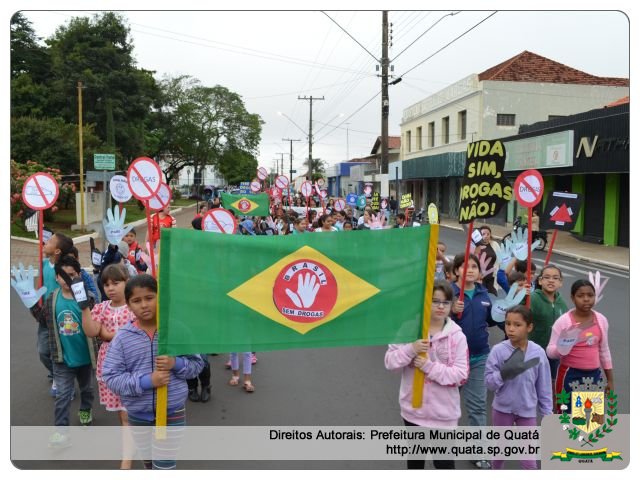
(271, 58)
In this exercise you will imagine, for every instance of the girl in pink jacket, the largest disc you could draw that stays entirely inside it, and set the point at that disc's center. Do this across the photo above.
(446, 367)
(580, 339)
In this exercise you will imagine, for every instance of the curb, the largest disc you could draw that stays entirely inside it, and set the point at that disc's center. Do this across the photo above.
(85, 238)
(564, 253)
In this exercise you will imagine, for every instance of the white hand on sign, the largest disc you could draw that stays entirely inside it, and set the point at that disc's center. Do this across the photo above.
(376, 222)
(503, 254)
(567, 339)
(599, 287)
(114, 229)
(520, 241)
(500, 306)
(307, 291)
(23, 284)
(484, 263)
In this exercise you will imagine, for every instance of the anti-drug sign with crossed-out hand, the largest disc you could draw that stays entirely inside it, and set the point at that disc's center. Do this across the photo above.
(219, 220)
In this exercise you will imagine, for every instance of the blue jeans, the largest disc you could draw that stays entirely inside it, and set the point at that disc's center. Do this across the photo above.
(43, 348)
(474, 392)
(64, 377)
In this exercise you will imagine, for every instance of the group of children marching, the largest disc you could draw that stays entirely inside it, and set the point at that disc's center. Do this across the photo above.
(544, 342)
(77, 335)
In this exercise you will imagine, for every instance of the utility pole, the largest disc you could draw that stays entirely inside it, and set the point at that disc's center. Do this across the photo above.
(290, 140)
(281, 171)
(384, 140)
(347, 124)
(311, 99)
(80, 152)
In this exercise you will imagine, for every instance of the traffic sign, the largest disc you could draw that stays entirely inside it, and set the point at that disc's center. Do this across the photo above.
(362, 201)
(104, 161)
(320, 182)
(561, 211)
(352, 199)
(529, 188)
(255, 185)
(323, 193)
(262, 173)
(144, 178)
(339, 204)
(40, 191)
(119, 188)
(161, 199)
(219, 220)
(282, 182)
(306, 189)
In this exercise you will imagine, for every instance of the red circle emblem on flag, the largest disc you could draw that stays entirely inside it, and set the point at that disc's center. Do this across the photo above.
(305, 291)
(244, 205)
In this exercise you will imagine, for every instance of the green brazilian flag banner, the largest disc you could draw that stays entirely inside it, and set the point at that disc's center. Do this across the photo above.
(233, 293)
(254, 205)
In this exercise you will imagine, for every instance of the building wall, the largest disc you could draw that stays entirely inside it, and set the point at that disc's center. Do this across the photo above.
(535, 102)
(483, 101)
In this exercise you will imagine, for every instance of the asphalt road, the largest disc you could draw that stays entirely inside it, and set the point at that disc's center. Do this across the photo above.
(339, 386)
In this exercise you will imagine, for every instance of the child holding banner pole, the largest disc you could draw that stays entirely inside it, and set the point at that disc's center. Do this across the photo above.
(444, 365)
(133, 370)
(529, 213)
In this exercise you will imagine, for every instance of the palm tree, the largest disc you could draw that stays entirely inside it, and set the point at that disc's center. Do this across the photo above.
(315, 168)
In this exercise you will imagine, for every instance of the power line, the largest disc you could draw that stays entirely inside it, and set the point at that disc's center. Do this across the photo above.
(345, 120)
(452, 41)
(352, 37)
(425, 32)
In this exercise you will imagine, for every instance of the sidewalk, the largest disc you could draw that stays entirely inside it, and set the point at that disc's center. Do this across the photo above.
(26, 250)
(617, 257)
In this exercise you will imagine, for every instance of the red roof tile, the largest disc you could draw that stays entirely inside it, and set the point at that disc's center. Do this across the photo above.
(394, 142)
(530, 67)
(620, 101)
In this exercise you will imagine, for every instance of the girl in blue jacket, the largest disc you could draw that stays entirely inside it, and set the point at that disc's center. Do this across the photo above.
(133, 370)
(473, 315)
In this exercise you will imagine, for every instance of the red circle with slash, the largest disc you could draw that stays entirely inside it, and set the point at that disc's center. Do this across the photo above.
(529, 188)
(40, 191)
(144, 178)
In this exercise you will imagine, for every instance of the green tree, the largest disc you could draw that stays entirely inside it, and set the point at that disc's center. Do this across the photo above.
(199, 125)
(238, 166)
(315, 168)
(98, 51)
(50, 141)
(30, 70)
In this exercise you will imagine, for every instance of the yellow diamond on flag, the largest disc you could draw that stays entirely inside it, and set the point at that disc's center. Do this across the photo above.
(303, 290)
(245, 205)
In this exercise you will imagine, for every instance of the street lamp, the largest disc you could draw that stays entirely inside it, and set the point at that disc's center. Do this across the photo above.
(188, 182)
(282, 114)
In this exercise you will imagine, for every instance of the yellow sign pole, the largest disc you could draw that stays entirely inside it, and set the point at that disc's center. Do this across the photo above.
(161, 392)
(418, 376)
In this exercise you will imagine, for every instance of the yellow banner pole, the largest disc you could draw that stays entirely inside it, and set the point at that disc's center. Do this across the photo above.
(161, 392)
(418, 376)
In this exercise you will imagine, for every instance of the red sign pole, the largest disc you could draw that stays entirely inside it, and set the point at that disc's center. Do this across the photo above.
(466, 261)
(530, 215)
(40, 214)
(151, 241)
(553, 240)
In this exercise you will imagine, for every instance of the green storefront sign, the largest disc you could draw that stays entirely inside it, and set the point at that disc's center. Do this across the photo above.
(545, 151)
(104, 161)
